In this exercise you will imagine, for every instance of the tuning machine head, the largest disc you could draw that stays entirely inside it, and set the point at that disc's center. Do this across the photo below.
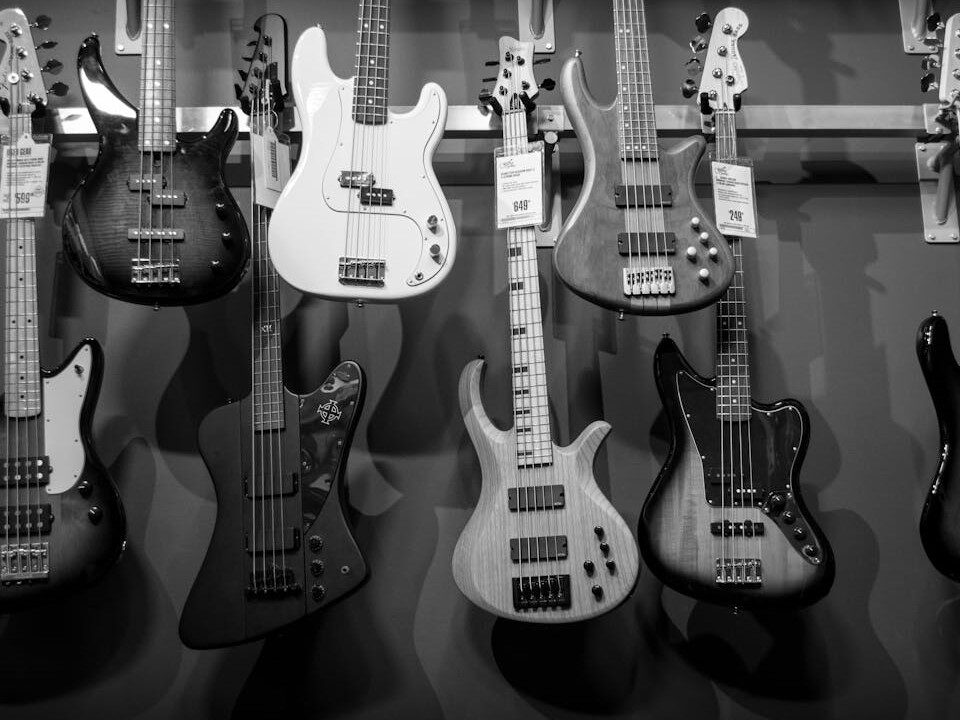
(703, 22)
(548, 84)
(930, 62)
(928, 82)
(52, 67)
(59, 89)
(42, 22)
(934, 22)
(694, 66)
(689, 88)
(46, 45)
(698, 44)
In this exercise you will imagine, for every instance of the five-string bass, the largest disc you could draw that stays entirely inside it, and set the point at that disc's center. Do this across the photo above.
(725, 520)
(281, 547)
(61, 521)
(544, 544)
(363, 216)
(153, 222)
(637, 240)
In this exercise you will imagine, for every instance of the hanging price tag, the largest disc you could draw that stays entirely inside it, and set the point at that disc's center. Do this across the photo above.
(23, 179)
(271, 165)
(734, 199)
(520, 188)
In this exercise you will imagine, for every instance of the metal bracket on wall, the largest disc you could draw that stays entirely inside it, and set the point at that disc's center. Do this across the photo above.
(536, 24)
(938, 190)
(129, 40)
(920, 24)
(553, 191)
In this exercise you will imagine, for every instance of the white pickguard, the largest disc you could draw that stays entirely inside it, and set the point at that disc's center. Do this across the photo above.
(63, 396)
(316, 221)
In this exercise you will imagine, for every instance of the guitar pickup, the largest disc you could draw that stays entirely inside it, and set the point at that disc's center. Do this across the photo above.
(17, 472)
(268, 541)
(647, 243)
(150, 234)
(168, 199)
(538, 549)
(643, 196)
(286, 484)
(381, 197)
(23, 519)
(140, 184)
(355, 179)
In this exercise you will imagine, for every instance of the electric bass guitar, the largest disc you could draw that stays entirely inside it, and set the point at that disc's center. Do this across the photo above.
(61, 521)
(153, 222)
(281, 548)
(622, 247)
(544, 545)
(725, 520)
(363, 216)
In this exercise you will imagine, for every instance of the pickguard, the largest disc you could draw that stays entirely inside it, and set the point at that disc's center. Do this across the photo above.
(63, 398)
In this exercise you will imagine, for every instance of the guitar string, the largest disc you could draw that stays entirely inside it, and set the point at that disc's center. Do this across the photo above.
(624, 123)
(252, 483)
(168, 138)
(351, 250)
(635, 174)
(151, 133)
(383, 66)
(136, 271)
(368, 131)
(13, 555)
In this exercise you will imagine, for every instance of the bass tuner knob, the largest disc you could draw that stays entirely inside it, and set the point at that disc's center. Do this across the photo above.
(689, 88)
(928, 82)
(548, 84)
(703, 22)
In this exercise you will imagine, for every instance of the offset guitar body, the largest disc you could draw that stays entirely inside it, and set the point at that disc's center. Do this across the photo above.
(211, 254)
(940, 519)
(588, 255)
(314, 552)
(81, 530)
(683, 517)
(318, 223)
(481, 562)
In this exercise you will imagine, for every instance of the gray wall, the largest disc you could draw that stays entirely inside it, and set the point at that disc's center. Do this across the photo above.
(839, 281)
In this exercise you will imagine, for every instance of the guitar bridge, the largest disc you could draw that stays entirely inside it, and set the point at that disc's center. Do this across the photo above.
(273, 581)
(647, 281)
(24, 563)
(745, 572)
(362, 271)
(541, 592)
(153, 272)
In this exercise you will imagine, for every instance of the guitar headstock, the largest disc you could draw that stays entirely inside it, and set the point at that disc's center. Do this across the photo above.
(949, 85)
(263, 90)
(23, 88)
(515, 83)
(724, 75)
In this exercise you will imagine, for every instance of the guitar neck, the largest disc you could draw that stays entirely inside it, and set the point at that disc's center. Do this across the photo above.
(371, 82)
(638, 123)
(268, 405)
(158, 107)
(22, 378)
(733, 357)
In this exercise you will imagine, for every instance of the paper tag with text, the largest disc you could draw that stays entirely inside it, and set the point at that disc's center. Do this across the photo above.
(23, 179)
(734, 199)
(520, 188)
(271, 164)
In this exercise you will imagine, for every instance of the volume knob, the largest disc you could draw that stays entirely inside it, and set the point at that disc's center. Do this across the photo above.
(695, 222)
(704, 275)
(597, 592)
(691, 253)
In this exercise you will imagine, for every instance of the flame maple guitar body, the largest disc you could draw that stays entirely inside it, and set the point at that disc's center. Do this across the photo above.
(315, 550)
(78, 530)
(318, 222)
(588, 252)
(482, 565)
(682, 520)
(214, 248)
(940, 519)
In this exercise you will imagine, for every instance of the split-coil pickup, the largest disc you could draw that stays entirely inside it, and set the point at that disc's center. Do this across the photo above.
(538, 549)
(380, 197)
(155, 234)
(356, 179)
(168, 199)
(536, 497)
(647, 243)
(135, 183)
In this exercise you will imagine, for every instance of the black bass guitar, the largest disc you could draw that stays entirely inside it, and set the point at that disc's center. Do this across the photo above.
(725, 520)
(153, 222)
(281, 547)
(61, 521)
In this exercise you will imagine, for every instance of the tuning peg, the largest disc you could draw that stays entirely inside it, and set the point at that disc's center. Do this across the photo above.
(237, 90)
(490, 79)
(689, 88)
(698, 44)
(703, 22)
(694, 66)
(930, 62)
(243, 74)
(246, 59)
(737, 101)
(52, 66)
(252, 43)
(541, 61)
(46, 45)
(42, 22)
(928, 83)
(58, 88)
(933, 22)
(548, 84)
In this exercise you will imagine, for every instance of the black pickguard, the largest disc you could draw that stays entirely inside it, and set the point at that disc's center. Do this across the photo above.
(88, 530)
(940, 518)
(318, 557)
(214, 251)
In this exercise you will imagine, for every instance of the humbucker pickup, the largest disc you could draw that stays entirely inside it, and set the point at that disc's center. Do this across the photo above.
(646, 281)
(153, 234)
(747, 528)
(739, 571)
(362, 271)
(539, 592)
(24, 562)
(25, 472)
(647, 243)
(273, 581)
(643, 196)
(168, 199)
(144, 271)
(268, 541)
(26, 519)
(355, 179)
(381, 197)
(538, 549)
(280, 484)
(148, 182)
(536, 497)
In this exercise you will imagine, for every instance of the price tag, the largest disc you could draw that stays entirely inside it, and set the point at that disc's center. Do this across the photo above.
(734, 199)
(520, 188)
(271, 165)
(23, 179)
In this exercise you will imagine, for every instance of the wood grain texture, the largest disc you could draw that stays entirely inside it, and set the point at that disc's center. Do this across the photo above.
(103, 209)
(674, 531)
(481, 560)
(587, 257)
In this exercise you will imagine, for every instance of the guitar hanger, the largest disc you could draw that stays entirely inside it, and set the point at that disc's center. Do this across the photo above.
(920, 24)
(129, 39)
(539, 29)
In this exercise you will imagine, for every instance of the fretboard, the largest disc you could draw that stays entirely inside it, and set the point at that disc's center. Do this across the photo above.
(158, 107)
(267, 359)
(531, 402)
(638, 124)
(371, 83)
(22, 375)
(733, 358)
